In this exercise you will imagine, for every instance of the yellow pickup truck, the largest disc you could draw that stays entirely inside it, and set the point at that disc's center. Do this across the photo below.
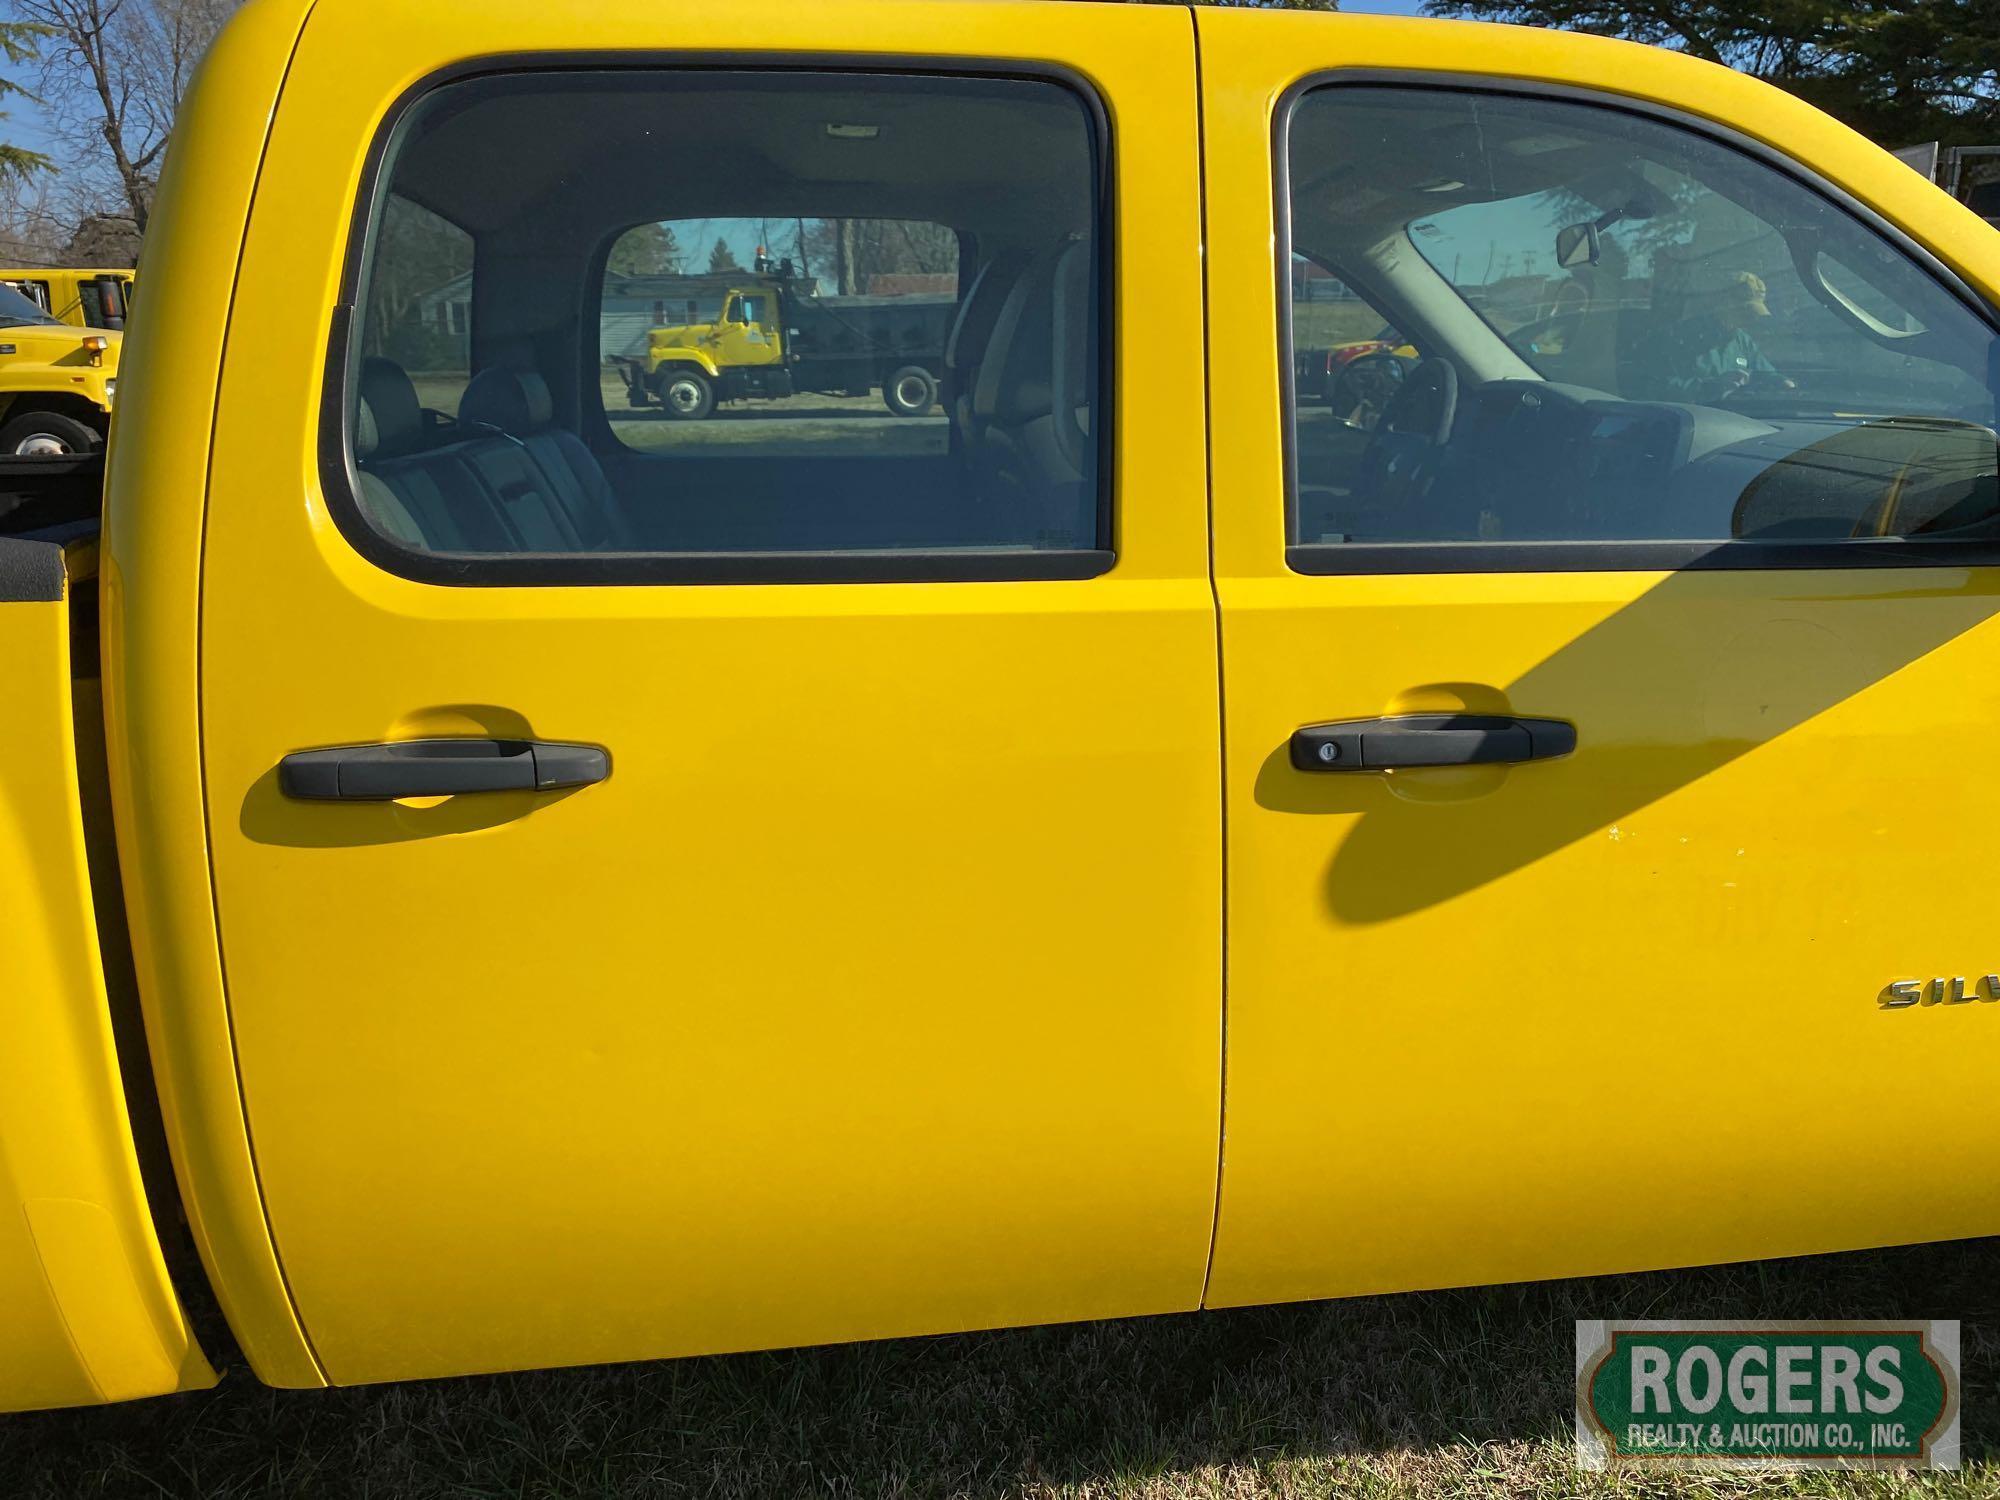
(1161, 847)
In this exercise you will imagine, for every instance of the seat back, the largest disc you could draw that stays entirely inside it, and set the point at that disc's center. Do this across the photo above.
(420, 497)
(1030, 399)
(515, 406)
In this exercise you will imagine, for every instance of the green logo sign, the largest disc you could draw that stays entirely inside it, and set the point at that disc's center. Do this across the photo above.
(1750, 1395)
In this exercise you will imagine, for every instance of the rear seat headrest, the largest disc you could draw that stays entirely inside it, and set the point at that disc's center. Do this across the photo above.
(515, 401)
(391, 419)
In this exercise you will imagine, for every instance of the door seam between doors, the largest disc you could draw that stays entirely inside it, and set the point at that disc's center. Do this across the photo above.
(1221, 718)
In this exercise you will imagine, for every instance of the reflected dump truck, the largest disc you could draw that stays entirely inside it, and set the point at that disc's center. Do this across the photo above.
(775, 336)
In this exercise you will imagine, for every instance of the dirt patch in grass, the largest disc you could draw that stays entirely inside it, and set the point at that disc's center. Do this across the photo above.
(1429, 1395)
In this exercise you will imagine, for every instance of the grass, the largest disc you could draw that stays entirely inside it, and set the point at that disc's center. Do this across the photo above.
(1429, 1395)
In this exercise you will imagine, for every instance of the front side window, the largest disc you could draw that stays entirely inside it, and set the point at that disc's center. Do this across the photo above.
(648, 324)
(1629, 331)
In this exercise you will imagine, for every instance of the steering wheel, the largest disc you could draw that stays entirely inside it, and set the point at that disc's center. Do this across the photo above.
(1366, 386)
(1402, 453)
(1426, 404)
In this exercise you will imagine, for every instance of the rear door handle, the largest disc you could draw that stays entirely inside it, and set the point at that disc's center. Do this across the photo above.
(438, 768)
(1408, 741)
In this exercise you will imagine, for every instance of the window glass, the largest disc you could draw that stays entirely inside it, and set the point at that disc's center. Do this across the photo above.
(1346, 356)
(734, 314)
(418, 308)
(798, 335)
(1630, 331)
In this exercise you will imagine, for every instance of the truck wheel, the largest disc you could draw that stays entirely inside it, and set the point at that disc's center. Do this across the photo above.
(910, 392)
(48, 434)
(687, 394)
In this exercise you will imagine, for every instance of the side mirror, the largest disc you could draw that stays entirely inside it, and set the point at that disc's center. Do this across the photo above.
(1577, 245)
(111, 290)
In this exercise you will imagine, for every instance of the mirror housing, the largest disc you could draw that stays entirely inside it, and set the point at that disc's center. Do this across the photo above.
(1577, 245)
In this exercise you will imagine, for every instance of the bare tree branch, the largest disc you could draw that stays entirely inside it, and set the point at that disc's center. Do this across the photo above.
(112, 75)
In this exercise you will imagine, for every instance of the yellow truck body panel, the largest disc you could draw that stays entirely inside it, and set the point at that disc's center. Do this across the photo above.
(156, 479)
(90, 1313)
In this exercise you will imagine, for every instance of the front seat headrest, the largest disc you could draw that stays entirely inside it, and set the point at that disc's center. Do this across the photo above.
(515, 401)
(390, 420)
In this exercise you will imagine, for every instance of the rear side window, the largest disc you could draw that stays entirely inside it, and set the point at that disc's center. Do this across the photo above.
(1625, 332)
(630, 325)
(419, 302)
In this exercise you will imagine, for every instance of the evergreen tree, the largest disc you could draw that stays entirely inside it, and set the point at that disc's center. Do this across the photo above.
(649, 250)
(19, 41)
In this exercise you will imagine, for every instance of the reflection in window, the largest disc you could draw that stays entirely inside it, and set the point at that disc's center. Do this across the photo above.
(722, 313)
(814, 326)
(1636, 332)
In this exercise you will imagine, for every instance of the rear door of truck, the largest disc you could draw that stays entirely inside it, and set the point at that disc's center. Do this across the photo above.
(856, 968)
(1628, 909)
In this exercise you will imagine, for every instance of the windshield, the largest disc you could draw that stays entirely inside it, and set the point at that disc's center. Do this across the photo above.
(16, 309)
(1657, 268)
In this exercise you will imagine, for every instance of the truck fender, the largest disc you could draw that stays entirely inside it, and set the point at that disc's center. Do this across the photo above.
(680, 354)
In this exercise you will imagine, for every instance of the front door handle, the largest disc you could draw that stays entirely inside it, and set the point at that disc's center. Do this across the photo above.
(1408, 741)
(438, 768)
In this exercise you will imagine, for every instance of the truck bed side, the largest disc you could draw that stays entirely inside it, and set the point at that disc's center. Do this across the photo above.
(91, 1314)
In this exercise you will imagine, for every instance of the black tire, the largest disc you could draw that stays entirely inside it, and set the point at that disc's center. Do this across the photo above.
(910, 392)
(687, 393)
(48, 434)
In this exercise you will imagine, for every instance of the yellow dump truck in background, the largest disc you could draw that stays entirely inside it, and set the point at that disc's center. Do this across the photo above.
(57, 382)
(775, 337)
(83, 298)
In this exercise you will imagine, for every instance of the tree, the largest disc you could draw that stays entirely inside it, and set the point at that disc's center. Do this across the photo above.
(113, 73)
(19, 42)
(1900, 70)
(649, 250)
(721, 258)
(854, 251)
(422, 265)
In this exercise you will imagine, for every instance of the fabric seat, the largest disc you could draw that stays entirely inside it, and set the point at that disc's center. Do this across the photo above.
(417, 496)
(516, 406)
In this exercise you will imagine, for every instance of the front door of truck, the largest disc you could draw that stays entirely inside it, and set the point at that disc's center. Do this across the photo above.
(859, 972)
(1644, 652)
(748, 337)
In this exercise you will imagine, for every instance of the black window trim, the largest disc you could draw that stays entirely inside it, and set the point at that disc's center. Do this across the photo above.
(1339, 559)
(340, 478)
